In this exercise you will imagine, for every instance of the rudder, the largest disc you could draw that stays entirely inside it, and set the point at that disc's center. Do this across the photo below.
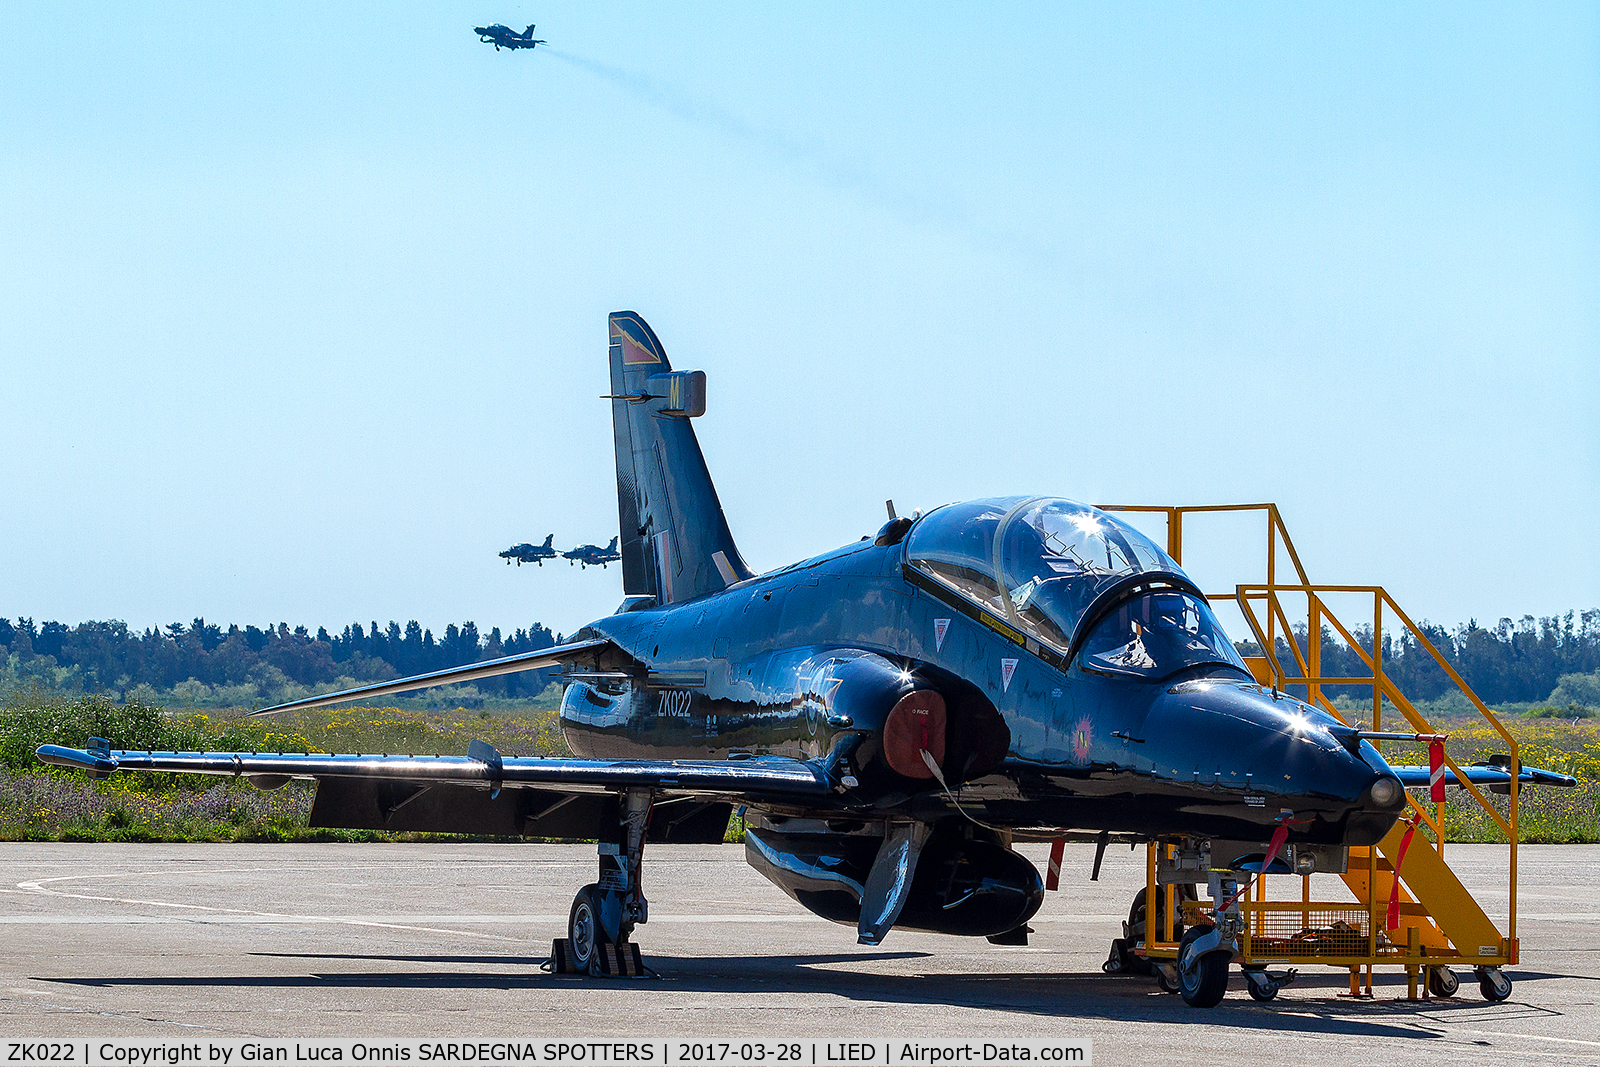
(676, 544)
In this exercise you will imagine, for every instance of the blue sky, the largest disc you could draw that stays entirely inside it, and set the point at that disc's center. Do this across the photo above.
(302, 307)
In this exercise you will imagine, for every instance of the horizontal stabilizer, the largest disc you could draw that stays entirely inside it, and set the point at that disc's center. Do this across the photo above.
(523, 661)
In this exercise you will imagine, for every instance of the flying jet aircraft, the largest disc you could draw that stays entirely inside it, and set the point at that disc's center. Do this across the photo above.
(893, 715)
(526, 553)
(505, 37)
(593, 555)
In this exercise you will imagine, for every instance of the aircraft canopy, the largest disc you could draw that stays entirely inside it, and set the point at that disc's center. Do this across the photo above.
(1042, 562)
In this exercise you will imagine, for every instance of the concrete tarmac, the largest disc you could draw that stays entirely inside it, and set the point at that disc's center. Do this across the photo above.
(425, 941)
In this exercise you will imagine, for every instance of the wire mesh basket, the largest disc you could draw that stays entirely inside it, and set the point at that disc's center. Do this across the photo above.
(1308, 932)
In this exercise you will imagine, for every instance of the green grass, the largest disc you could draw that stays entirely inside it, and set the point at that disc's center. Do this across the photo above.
(41, 803)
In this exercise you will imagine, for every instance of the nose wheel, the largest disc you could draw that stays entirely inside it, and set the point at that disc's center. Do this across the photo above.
(1203, 968)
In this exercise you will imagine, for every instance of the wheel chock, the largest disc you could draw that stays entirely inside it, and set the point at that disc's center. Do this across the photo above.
(620, 961)
(611, 961)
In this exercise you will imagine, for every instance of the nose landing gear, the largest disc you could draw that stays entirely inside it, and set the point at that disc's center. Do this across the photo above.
(1203, 958)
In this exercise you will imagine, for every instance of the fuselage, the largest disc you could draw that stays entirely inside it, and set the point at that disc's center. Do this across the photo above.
(756, 669)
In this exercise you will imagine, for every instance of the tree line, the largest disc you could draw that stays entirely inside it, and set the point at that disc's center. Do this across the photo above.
(274, 661)
(1524, 661)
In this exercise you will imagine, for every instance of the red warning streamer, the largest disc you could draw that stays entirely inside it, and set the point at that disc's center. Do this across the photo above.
(1436, 771)
(1279, 836)
(1393, 920)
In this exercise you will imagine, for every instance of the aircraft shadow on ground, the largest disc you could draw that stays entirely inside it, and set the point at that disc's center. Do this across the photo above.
(1082, 995)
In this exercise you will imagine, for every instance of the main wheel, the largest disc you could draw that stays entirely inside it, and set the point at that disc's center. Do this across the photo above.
(1202, 983)
(584, 933)
(1442, 982)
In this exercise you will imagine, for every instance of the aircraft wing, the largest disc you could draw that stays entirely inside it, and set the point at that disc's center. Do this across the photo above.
(482, 767)
(483, 771)
(1418, 776)
(554, 656)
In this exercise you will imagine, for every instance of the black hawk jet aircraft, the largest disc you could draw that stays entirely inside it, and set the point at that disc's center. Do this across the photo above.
(593, 555)
(526, 553)
(893, 715)
(505, 37)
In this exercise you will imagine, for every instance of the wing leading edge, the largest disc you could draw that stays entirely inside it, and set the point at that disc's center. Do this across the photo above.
(483, 767)
(554, 656)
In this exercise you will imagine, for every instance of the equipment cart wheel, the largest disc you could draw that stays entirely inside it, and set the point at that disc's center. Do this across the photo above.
(1168, 985)
(1493, 984)
(1203, 980)
(1442, 982)
(1260, 987)
(584, 933)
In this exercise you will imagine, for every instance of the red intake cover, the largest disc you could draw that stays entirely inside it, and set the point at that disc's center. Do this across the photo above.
(915, 723)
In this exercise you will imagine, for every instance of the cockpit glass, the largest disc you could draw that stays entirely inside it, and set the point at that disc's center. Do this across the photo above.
(1037, 562)
(956, 545)
(1156, 634)
(1057, 556)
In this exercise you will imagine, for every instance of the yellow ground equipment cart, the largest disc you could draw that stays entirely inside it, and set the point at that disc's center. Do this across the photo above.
(1276, 907)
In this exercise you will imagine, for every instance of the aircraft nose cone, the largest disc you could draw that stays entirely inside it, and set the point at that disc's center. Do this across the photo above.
(1242, 748)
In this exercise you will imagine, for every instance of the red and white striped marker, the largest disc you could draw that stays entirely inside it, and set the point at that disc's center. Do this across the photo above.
(1052, 877)
(1436, 771)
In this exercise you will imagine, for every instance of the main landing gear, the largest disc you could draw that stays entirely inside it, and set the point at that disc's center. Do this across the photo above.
(604, 913)
(1122, 958)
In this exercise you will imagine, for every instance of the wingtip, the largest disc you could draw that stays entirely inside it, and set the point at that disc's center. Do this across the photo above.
(76, 758)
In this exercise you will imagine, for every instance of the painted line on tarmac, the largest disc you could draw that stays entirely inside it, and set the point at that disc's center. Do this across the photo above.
(213, 914)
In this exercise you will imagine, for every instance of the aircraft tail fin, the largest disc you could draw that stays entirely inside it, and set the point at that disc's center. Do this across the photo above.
(549, 540)
(529, 31)
(676, 544)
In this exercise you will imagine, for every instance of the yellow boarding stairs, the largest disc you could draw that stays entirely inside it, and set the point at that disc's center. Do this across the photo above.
(1437, 921)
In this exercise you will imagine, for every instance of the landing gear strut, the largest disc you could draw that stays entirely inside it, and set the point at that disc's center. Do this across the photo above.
(604, 913)
(1205, 952)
